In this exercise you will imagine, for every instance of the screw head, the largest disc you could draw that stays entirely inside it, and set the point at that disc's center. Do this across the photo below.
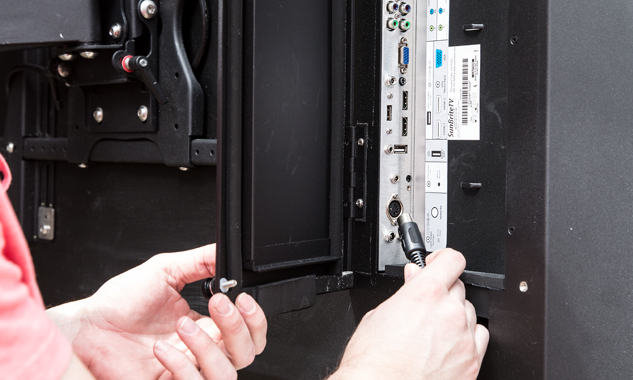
(360, 203)
(390, 96)
(63, 69)
(89, 54)
(142, 113)
(98, 115)
(115, 31)
(148, 9)
(183, 168)
(45, 229)
(523, 286)
(142, 62)
(67, 57)
(388, 149)
(82, 166)
(389, 131)
(361, 142)
(395, 178)
(390, 236)
(10, 147)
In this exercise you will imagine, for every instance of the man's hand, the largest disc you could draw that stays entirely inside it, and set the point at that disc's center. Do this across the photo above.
(137, 326)
(427, 330)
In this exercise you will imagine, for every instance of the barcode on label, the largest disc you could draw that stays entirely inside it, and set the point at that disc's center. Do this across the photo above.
(465, 91)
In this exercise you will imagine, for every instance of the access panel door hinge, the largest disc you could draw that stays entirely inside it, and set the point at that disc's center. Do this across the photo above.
(356, 144)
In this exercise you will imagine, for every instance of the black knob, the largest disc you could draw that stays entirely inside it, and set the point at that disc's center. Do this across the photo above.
(207, 287)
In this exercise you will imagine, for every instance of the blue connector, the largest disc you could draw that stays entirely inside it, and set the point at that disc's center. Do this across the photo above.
(432, 11)
(406, 56)
(441, 10)
(438, 58)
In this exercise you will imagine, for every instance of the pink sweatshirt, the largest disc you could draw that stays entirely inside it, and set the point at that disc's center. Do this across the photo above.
(31, 347)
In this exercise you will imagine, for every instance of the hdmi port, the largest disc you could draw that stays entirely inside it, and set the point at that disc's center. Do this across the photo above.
(400, 149)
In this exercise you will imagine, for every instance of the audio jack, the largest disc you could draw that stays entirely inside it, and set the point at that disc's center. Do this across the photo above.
(412, 240)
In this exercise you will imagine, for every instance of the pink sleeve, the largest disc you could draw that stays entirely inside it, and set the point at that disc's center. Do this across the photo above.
(31, 347)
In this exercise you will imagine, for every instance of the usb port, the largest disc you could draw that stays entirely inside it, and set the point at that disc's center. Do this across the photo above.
(400, 149)
(405, 126)
(405, 100)
(436, 153)
(428, 118)
(389, 113)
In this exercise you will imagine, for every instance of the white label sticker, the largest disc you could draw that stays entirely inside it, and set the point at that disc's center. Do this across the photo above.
(431, 20)
(430, 64)
(463, 92)
(436, 150)
(436, 175)
(435, 224)
(442, 19)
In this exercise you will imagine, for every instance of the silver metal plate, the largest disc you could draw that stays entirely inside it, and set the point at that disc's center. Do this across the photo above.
(392, 139)
(46, 223)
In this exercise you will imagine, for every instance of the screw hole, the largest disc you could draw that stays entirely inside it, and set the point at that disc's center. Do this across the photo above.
(511, 230)
(408, 178)
(175, 126)
(212, 152)
(514, 40)
(176, 75)
(197, 152)
(373, 281)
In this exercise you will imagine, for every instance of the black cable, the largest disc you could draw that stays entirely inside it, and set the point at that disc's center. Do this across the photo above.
(52, 83)
(205, 35)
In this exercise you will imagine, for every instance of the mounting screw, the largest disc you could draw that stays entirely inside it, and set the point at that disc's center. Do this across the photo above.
(66, 57)
(45, 229)
(390, 96)
(225, 284)
(98, 115)
(63, 69)
(389, 131)
(115, 31)
(390, 236)
(361, 142)
(89, 54)
(183, 168)
(82, 166)
(142, 62)
(142, 113)
(360, 203)
(523, 286)
(10, 147)
(395, 178)
(148, 9)
(388, 149)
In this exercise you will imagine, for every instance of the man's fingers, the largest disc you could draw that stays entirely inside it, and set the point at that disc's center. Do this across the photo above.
(471, 316)
(176, 362)
(214, 364)
(445, 267)
(429, 259)
(255, 320)
(481, 341)
(458, 291)
(410, 270)
(236, 338)
(189, 266)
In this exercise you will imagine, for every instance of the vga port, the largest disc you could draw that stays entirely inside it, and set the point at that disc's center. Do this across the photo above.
(403, 55)
(438, 58)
